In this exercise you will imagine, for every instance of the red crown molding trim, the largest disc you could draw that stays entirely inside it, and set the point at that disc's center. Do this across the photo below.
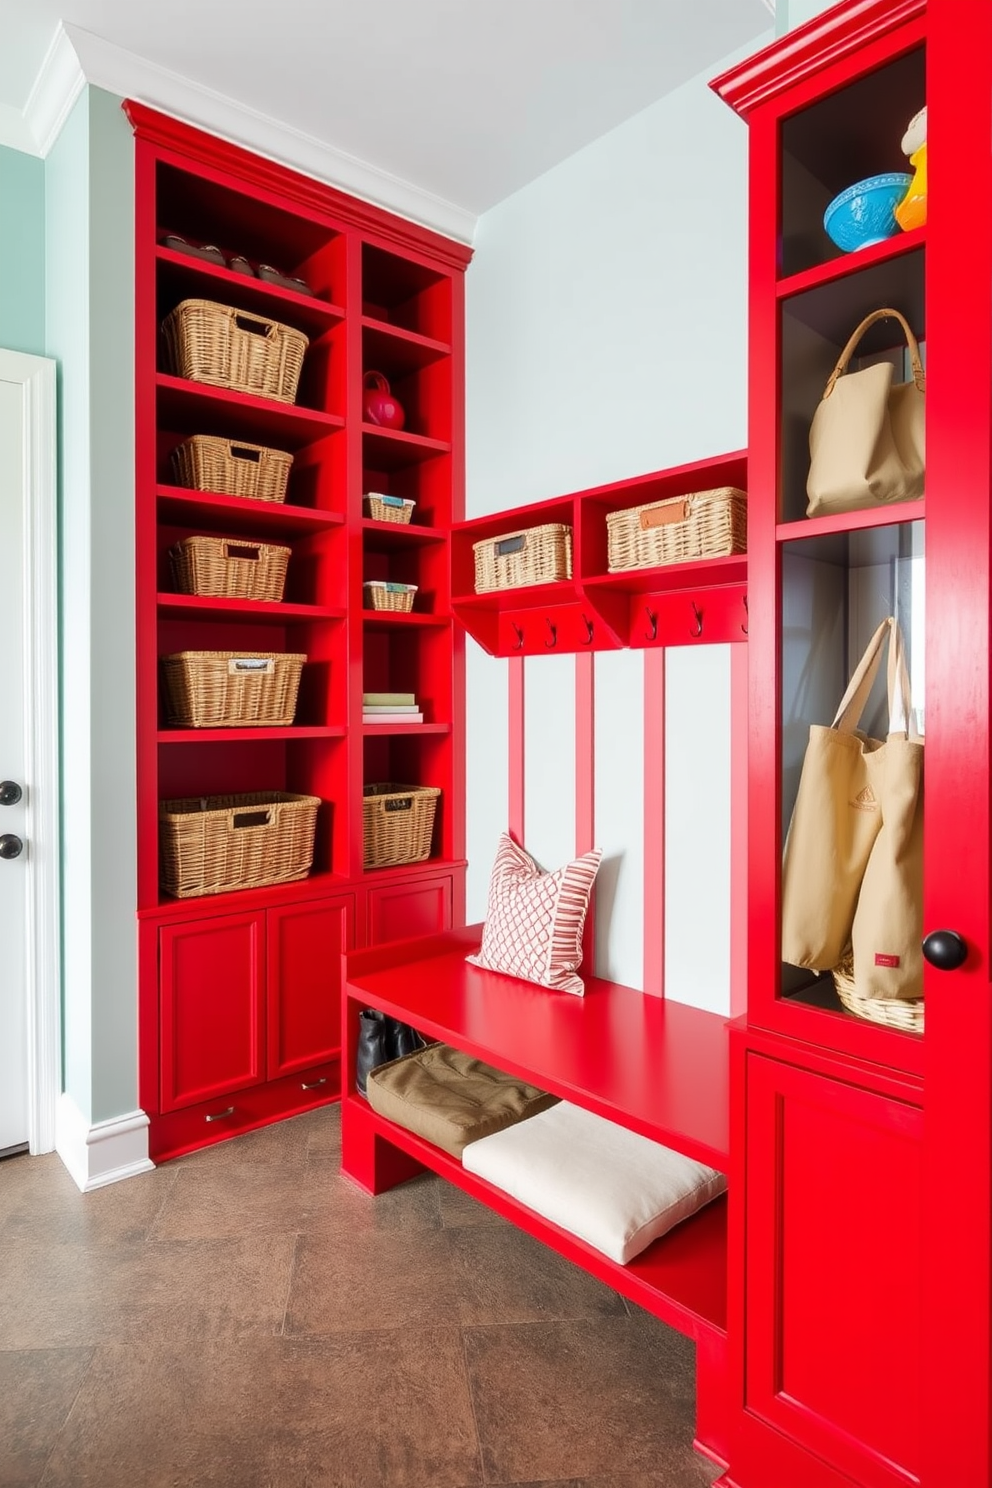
(799, 54)
(168, 133)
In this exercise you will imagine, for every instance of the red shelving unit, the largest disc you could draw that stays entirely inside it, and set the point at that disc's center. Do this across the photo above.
(239, 995)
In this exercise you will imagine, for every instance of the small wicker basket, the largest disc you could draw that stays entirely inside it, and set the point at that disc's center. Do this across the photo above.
(893, 1012)
(210, 844)
(229, 348)
(231, 689)
(533, 555)
(397, 822)
(701, 524)
(382, 596)
(389, 508)
(206, 463)
(229, 569)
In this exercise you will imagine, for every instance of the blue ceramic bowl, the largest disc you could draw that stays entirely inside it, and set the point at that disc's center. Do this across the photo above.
(862, 214)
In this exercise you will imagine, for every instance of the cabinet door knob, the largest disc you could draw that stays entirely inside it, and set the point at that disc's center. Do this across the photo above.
(945, 949)
(10, 846)
(10, 792)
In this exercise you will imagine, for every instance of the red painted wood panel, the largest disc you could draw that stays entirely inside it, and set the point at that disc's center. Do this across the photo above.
(212, 1008)
(303, 1003)
(404, 910)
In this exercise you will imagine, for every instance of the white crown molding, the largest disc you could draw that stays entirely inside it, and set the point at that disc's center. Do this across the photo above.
(59, 83)
(15, 131)
(103, 1153)
(121, 72)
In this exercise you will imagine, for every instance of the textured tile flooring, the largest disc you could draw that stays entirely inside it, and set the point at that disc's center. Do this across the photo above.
(246, 1318)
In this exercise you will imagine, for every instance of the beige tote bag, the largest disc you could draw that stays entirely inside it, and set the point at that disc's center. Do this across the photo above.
(837, 815)
(867, 439)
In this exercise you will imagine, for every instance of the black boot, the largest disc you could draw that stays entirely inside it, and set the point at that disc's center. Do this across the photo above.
(374, 1045)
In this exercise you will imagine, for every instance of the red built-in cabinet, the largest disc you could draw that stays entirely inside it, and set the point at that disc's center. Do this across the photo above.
(860, 1324)
(240, 991)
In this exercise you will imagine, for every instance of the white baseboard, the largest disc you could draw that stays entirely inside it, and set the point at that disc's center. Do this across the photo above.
(102, 1153)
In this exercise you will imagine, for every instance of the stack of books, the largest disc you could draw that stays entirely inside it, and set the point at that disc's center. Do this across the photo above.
(390, 707)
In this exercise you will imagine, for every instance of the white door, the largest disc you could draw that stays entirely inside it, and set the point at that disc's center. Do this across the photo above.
(30, 936)
(13, 950)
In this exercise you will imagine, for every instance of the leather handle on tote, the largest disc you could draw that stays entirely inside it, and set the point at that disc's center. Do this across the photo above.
(919, 376)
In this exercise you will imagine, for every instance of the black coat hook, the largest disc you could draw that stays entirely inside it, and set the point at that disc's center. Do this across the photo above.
(588, 625)
(554, 634)
(519, 635)
(652, 634)
(744, 627)
(699, 621)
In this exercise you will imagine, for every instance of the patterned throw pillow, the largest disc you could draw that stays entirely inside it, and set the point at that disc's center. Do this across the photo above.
(534, 919)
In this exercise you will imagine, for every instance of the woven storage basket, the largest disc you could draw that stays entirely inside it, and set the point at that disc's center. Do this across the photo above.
(228, 689)
(893, 1012)
(225, 347)
(382, 596)
(389, 508)
(206, 463)
(397, 822)
(228, 568)
(701, 524)
(210, 844)
(534, 555)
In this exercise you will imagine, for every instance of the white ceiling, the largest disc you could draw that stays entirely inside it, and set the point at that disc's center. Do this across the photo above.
(467, 100)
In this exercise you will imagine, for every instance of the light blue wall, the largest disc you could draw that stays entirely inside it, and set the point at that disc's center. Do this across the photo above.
(606, 337)
(792, 13)
(89, 216)
(22, 252)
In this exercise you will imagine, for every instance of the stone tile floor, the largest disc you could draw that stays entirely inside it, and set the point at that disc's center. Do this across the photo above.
(246, 1318)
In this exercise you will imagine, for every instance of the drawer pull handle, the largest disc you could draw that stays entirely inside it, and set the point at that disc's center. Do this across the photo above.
(314, 1084)
(219, 1116)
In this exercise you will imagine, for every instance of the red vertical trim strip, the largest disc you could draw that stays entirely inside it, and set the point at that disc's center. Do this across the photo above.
(654, 821)
(515, 773)
(585, 784)
(738, 830)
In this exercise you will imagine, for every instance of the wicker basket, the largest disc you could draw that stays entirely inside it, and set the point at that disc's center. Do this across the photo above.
(228, 348)
(206, 463)
(231, 689)
(389, 508)
(397, 822)
(382, 596)
(893, 1012)
(701, 524)
(229, 568)
(534, 555)
(211, 844)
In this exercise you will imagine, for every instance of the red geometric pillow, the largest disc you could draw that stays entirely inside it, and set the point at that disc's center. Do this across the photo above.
(534, 919)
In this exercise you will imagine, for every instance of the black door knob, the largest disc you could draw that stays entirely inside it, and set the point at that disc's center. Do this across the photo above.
(10, 846)
(945, 949)
(10, 792)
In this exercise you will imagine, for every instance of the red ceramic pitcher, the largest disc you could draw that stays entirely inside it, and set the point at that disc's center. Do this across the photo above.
(379, 404)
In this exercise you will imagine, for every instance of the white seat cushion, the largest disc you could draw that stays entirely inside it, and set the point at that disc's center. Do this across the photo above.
(614, 1189)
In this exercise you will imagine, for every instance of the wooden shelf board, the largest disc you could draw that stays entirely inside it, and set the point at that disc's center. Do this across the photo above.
(402, 351)
(261, 420)
(400, 534)
(851, 263)
(204, 607)
(681, 1278)
(242, 735)
(316, 886)
(195, 278)
(375, 729)
(658, 1066)
(855, 521)
(527, 597)
(179, 504)
(701, 573)
(390, 619)
(386, 449)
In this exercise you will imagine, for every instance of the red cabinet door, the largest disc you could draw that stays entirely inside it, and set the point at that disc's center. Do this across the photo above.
(833, 1257)
(402, 911)
(211, 1006)
(305, 942)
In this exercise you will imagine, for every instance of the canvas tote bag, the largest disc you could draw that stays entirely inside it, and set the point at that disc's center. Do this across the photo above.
(867, 439)
(838, 813)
